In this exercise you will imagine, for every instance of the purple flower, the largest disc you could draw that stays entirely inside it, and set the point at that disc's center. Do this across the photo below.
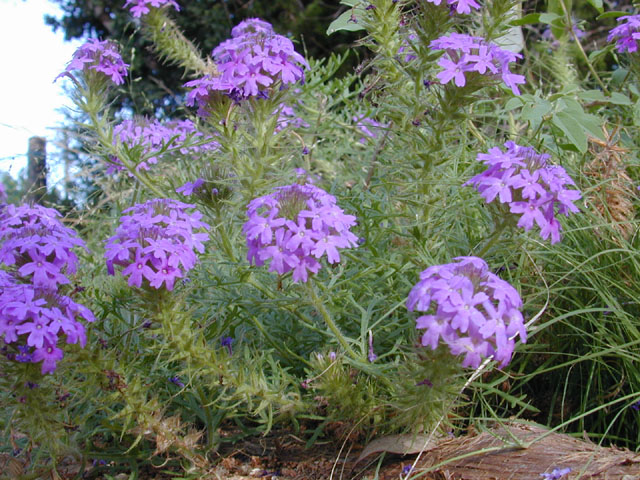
(521, 178)
(154, 140)
(254, 60)
(460, 6)
(369, 127)
(465, 54)
(288, 117)
(227, 342)
(556, 473)
(141, 7)
(35, 317)
(636, 406)
(155, 243)
(468, 308)
(176, 381)
(294, 227)
(98, 56)
(372, 357)
(37, 245)
(626, 34)
(188, 188)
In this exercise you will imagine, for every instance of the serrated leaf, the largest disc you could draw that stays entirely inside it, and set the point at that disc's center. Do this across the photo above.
(345, 21)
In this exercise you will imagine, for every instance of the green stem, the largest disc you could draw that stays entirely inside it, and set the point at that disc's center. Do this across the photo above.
(317, 303)
(292, 310)
(494, 237)
(567, 17)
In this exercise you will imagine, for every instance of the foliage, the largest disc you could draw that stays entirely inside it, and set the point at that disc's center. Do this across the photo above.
(185, 355)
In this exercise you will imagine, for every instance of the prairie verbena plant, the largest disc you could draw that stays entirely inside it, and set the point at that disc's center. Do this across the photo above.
(334, 271)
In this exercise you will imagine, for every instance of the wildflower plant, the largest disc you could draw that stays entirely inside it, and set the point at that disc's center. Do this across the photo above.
(214, 335)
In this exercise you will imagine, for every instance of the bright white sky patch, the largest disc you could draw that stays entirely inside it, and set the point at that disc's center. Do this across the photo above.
(31, 56)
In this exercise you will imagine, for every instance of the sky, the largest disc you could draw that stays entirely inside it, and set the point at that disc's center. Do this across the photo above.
(31, 55)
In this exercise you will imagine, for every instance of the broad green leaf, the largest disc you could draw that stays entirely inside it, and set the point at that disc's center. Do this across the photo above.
(549, 18)
(572, 130)
(598, 96)
(533, 112)
(592, 96)
(618, 98)
(345, 22)
(611, 15)
(529, 19)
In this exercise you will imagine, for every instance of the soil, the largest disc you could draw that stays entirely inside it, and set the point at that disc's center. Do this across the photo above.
(512, 451)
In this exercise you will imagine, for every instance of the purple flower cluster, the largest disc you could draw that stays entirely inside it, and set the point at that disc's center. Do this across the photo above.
(465, 53)
(626, 34)
(522, 179)
(37, 249)
(253, 60)
(470, 309)
(155, 243)
(37, 245)
(459, 6)
(294, 227)
(153, 138)
(98, 56)
(139, 8)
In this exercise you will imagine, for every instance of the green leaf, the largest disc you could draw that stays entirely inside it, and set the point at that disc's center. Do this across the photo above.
(618, 98)
(636, 114)
(597, 96)
(592, 96)
(529, 19)
(345, 22)
(533, 112)
(597, 4)
(611, 15)
(577, 125)
(549, 18)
